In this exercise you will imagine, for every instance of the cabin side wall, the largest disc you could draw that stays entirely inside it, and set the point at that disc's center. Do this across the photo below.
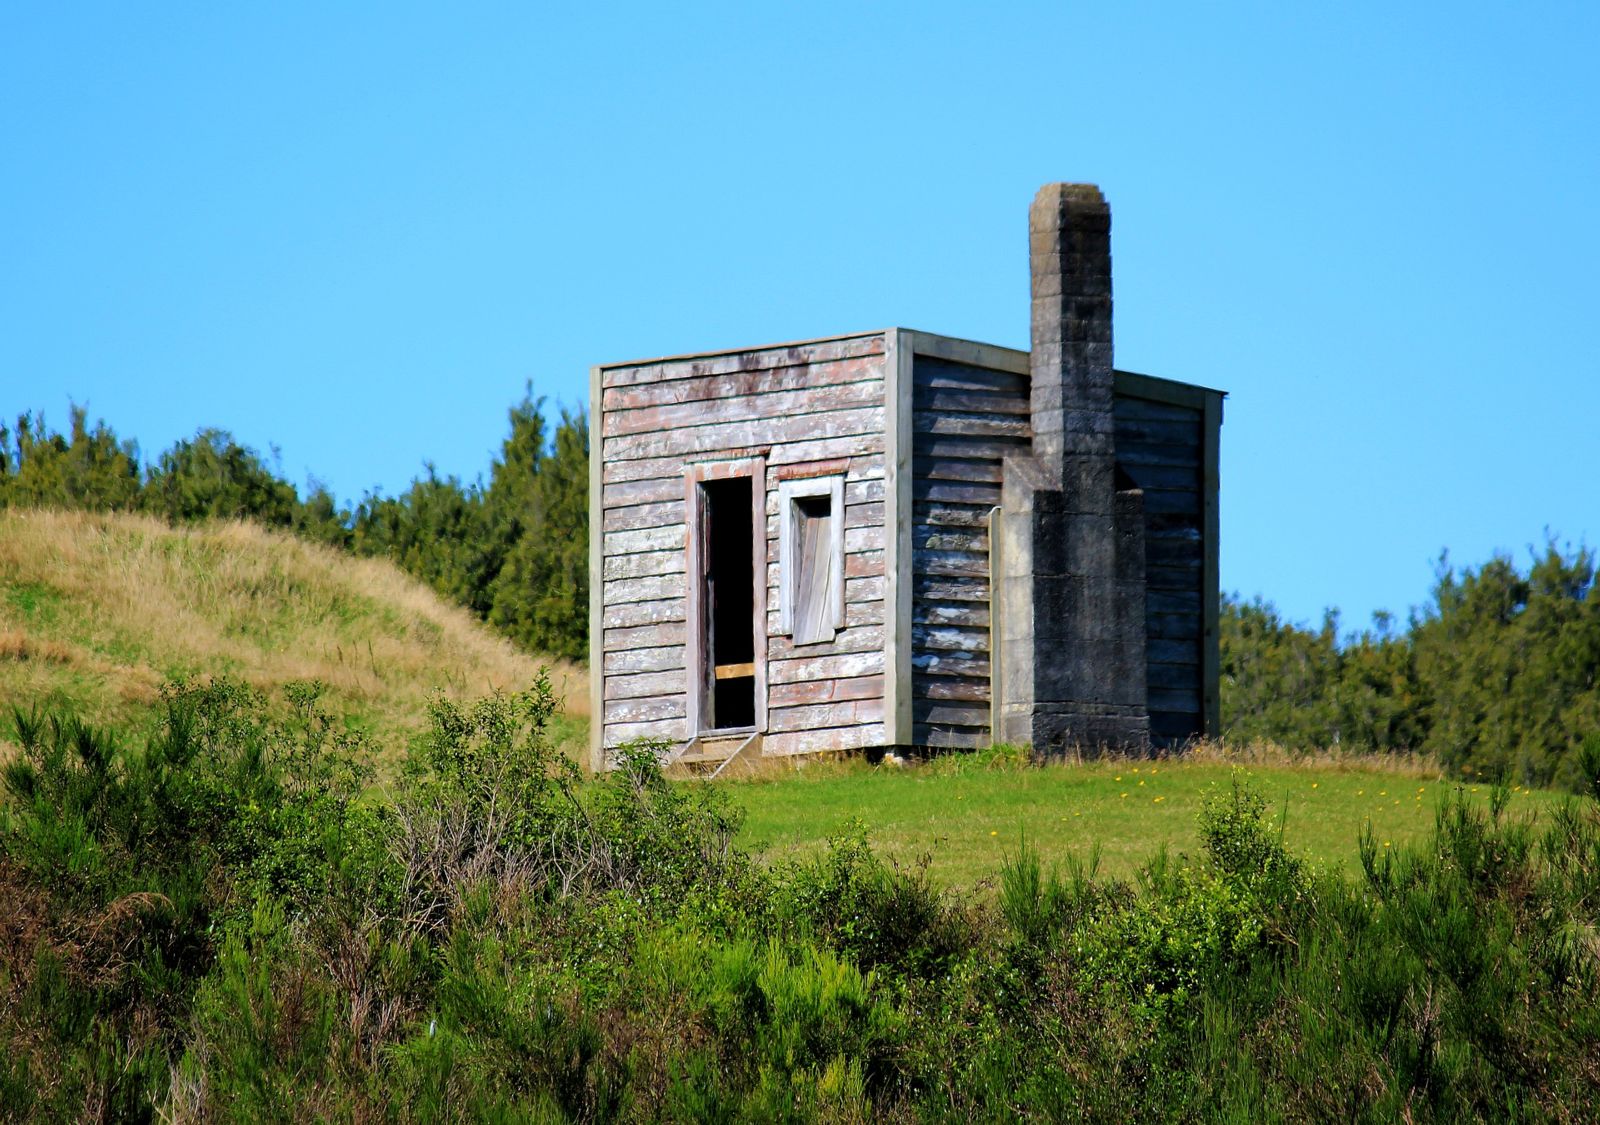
(811, 409)
(971, 411)
(966, 418)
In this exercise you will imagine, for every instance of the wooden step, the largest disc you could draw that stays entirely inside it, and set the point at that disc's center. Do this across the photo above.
(718, 749)
(704, 755)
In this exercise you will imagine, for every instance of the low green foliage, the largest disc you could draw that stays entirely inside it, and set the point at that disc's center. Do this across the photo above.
(1196, 922)
(881, 915)
(223, 921)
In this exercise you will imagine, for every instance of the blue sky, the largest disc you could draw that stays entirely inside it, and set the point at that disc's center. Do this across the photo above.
(354, 232)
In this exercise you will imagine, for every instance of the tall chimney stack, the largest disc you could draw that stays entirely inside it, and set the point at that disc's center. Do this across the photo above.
(1069, 240)
(1071, 623)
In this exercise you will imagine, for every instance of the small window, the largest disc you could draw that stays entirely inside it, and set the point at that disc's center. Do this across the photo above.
(811, 559)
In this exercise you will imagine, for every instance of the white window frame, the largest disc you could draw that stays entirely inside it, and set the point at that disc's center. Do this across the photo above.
(788, 492)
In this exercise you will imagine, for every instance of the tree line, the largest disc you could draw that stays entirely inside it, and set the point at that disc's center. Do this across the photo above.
(1495, 677)
(514, 550)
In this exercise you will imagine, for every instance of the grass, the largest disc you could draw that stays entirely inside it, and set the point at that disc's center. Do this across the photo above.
(965, 814)
(97, 610)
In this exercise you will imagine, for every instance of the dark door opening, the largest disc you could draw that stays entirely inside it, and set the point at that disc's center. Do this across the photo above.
(728, 598)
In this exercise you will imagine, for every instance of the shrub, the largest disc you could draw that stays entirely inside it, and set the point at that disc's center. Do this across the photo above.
(878, 914)
(1248, 857)
(242, 935)
(1036, 904)
(791, 1031)
(491, 796)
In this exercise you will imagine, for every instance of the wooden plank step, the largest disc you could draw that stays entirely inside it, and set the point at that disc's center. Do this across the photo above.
(709, 757)
(714, 749)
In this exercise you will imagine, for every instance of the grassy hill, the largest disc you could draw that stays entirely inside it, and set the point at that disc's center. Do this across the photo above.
(97, 610)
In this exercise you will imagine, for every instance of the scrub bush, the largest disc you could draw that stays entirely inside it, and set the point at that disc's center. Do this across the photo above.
(880, 915)
(225, 921)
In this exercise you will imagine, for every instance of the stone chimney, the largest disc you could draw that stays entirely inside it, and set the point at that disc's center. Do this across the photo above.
(1070, 613)
(1069, 243)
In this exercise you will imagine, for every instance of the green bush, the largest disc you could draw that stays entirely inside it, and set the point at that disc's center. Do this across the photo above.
(222, 921)
(1036, 904)
(803, 1033)
(138, 861)
(878, 914)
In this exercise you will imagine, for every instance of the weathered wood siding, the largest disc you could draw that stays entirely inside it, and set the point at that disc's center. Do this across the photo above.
(965, 419)
(1161, 446)
(808, 409)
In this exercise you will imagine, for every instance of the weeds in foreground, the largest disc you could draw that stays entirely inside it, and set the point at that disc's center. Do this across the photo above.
(220, 921)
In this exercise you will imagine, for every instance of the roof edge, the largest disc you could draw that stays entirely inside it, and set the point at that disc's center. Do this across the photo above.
(955, 348)
(681, 356)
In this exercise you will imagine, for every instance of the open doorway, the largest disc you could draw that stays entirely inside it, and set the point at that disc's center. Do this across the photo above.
(728, 603)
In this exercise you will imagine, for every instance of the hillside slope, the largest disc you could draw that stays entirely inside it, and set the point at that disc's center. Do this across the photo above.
(98, 610)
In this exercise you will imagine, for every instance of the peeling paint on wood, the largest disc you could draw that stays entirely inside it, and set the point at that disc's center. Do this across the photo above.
(845, 665)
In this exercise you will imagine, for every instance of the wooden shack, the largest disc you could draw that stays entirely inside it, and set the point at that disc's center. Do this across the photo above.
(895, 539)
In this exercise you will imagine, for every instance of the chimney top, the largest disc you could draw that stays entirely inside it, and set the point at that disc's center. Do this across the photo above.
(1069, 241)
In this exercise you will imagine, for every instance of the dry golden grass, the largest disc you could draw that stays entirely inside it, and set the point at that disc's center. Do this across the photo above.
(97, 610)
(1263, 753)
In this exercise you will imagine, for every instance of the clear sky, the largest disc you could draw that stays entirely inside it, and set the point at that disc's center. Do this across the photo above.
(354, 232)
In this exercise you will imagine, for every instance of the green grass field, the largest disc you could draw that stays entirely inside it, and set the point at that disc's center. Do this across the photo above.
(965, 815)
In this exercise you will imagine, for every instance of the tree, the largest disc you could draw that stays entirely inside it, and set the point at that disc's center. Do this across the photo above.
(212, 476)
(84, 468)
(541, 595)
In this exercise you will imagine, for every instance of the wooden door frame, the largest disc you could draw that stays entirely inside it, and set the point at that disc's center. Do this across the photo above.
(698, 643)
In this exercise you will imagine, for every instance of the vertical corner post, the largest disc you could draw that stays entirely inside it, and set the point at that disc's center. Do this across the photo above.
(899, 358)
(1210, 581)
(597, 638)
